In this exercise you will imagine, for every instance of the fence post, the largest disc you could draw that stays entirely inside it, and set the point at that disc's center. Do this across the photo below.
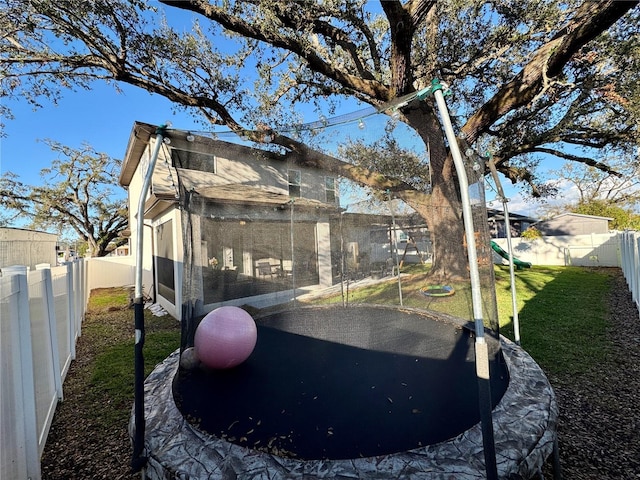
(635, 269)
(71, 309)
(53, 330)
(77, 295)
(28, 404)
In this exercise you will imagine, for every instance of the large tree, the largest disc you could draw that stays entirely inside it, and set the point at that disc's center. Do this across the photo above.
(76, 194)
(530, 77)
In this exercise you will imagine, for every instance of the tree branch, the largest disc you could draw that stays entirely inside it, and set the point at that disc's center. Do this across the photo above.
(590, 20)
(576, 158)
(219, 15)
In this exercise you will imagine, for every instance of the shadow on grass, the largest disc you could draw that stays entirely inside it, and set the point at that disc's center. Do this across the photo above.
(563, 317)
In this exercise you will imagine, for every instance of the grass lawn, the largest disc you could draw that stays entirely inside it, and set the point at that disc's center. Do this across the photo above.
(562, 313)
(111, 372)
(561, 310)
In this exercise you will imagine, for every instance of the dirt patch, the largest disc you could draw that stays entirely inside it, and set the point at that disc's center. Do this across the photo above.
(599, 420)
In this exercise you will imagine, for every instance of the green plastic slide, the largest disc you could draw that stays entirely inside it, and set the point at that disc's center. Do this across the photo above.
(518, 263)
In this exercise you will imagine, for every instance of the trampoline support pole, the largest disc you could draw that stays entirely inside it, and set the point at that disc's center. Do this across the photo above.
(482, 357)
(395, 245)
(138, 460)
(507, 225)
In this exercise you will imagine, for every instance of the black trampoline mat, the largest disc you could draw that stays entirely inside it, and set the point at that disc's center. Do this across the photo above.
(376, 381)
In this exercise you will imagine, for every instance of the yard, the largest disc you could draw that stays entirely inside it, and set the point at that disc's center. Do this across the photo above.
(579, 324)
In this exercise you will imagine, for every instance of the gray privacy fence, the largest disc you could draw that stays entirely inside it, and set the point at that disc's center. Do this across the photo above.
(41, 313)
(630, 253)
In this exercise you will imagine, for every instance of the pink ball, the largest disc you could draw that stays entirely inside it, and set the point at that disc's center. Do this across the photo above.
(225, 337)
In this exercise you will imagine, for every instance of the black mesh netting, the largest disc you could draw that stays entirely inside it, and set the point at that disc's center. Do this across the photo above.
(278, 232)
(263, 226)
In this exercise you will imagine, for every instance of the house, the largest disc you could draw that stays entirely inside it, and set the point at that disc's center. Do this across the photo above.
(497, 225)
(573, 224)
(375, 240)
(20, 246)
(254, 224)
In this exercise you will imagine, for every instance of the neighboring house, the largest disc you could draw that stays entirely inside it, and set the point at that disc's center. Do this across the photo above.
(573, 224)
(27, 247)
(259, 223)
(121, 251)
(372, 241)
(497, 225)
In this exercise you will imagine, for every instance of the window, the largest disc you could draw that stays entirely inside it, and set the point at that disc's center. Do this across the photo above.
(330, 190)
(294, 183)
(192, 160)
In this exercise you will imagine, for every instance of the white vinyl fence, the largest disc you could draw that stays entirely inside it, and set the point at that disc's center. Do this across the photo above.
(630, 248)
(41, 312)
(592, 250)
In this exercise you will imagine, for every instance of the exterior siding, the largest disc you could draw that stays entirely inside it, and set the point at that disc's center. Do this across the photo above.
(27, 247)
(573, 224)
(241, 216)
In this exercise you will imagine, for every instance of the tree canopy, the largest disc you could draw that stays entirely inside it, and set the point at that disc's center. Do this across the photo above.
(76, 194)
(594, 192)
(621, 188)
(529, 78)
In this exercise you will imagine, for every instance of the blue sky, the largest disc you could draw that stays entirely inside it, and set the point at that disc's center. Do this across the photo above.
(101, 117)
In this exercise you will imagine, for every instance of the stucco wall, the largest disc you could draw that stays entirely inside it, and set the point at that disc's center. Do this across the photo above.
(573, 224)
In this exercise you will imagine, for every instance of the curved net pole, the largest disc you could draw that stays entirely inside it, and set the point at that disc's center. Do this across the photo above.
(138, 460)
(342, 260)
(482, 354)
(507, 226)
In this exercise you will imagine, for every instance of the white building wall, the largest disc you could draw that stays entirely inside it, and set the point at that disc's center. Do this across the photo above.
(27, 247)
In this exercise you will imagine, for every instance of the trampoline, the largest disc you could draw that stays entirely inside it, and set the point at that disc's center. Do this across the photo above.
(335, 391)
(334, 383)
(355, 392)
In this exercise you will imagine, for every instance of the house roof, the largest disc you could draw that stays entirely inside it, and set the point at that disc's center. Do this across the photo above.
(138, 140)
(571, 214)
(499, 215)
(164, 193)
(15, 232)
(208, 186)
(163, 198)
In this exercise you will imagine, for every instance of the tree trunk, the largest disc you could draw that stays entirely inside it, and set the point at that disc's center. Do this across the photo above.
(442, 210)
